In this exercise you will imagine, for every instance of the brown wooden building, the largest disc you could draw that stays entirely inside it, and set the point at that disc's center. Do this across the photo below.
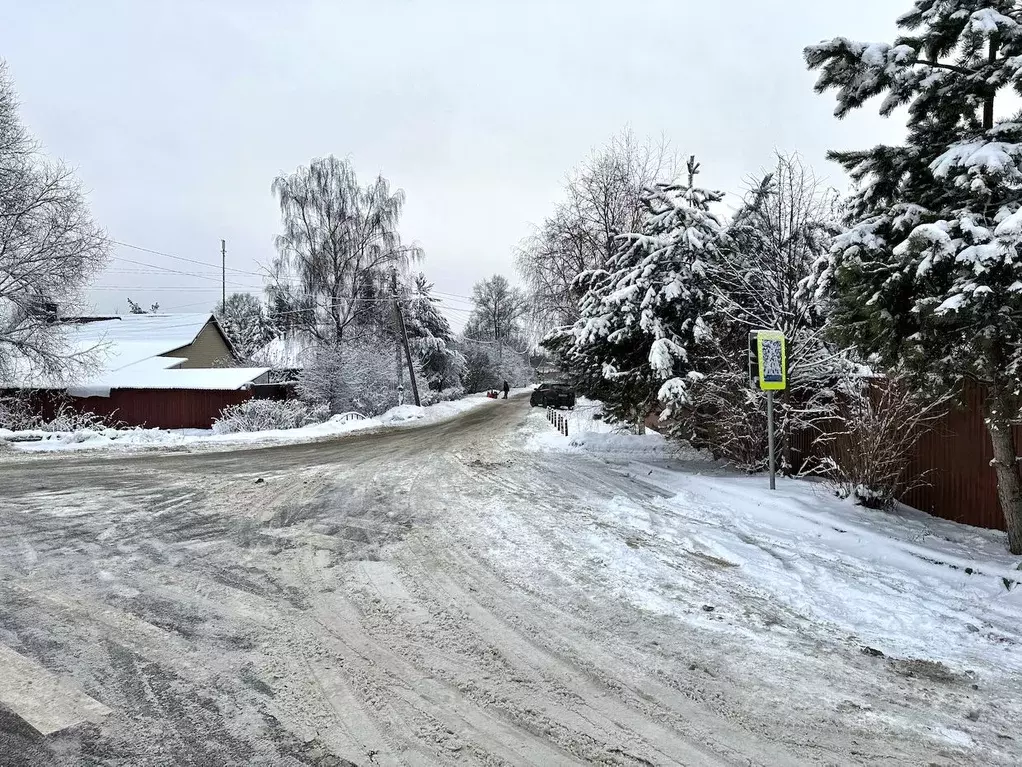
(166, 371)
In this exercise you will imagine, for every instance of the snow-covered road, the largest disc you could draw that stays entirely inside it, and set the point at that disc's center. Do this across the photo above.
(424, 595)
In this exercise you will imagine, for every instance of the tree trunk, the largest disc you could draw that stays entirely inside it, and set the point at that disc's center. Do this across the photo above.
(988, 102)
(1005, 463)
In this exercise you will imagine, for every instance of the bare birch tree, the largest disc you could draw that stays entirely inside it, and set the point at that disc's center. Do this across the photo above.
(603, 198)
(339, 245)
(49, 247)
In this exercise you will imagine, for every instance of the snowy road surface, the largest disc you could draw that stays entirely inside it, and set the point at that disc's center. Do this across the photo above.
(416, 596)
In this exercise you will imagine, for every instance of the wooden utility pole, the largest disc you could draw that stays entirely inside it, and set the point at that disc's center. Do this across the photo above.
(223, 274)
(404, 340)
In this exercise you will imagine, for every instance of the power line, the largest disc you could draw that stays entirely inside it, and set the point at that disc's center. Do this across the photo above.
(177, 271)
(179, 258)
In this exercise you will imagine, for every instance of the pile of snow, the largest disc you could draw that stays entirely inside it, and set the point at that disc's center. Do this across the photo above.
(403, 414)
(36, 441)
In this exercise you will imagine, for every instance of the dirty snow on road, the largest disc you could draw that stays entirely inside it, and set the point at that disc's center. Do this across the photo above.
(456, 593)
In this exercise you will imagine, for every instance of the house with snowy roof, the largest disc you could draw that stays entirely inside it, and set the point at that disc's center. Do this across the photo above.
(157, 370)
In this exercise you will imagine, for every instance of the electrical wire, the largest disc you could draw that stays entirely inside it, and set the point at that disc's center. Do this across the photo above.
(180, 258)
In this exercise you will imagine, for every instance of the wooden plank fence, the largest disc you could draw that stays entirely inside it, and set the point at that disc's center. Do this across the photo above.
(954, 457)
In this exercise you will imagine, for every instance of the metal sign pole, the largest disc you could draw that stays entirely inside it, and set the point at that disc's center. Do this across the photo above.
(770, 437)
(768, 371)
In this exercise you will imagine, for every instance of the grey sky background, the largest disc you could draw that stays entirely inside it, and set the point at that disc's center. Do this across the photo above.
(178, 115)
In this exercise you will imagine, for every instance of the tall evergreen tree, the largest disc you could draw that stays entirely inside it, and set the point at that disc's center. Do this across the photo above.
(243, 319)
(930, 274)
(430, 335)
(642, 318)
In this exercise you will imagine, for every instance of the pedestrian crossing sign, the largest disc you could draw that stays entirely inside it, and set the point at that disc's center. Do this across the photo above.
(768, 360)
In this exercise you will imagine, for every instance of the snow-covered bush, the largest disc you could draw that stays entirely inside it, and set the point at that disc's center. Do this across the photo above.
(67, 419)
(266, 415)
(17, 414)
(866, 452)
(356, 375)
(431, 396)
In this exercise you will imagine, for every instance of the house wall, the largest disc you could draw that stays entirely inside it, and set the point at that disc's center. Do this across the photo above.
(208, 350)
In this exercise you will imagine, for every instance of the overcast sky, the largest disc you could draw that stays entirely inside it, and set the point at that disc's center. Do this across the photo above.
(178, 115)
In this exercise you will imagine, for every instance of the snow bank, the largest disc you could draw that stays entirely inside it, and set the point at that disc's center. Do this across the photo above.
(588, 432)
(904, 583)
(141, 439)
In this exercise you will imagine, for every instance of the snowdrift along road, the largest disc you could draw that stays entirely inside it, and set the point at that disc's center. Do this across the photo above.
(420, 595)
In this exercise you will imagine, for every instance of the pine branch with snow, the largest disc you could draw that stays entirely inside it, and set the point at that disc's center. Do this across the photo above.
(929, 275)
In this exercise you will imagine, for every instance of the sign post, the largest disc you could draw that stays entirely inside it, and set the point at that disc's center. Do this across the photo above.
(768, 371)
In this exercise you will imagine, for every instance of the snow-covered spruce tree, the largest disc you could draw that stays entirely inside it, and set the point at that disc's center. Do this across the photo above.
(430, 337)
(642, 318)
(930, 275)
(243, 319)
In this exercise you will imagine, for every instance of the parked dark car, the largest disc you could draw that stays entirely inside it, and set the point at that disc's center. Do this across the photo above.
(552, 395)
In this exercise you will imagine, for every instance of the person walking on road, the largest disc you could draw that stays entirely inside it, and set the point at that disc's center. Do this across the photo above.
(507, 388)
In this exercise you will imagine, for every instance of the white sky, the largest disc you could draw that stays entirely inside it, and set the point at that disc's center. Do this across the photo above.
(178, 115)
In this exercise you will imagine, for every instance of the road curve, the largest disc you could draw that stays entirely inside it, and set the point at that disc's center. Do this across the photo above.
(343, 602)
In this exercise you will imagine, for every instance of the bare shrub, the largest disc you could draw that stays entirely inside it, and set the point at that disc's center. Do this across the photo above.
(265, 415)
(879, 422)
(68, 419)
(17, 414)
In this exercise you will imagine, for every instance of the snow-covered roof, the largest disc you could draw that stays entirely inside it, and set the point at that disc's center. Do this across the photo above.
(129, 352)
(133, 338)
(287, 352)
(139, 377)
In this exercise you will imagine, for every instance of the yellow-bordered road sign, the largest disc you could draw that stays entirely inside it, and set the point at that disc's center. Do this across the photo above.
(768, 360)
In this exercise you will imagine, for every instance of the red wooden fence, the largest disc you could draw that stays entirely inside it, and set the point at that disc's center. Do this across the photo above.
(162, 408)
(154, 408)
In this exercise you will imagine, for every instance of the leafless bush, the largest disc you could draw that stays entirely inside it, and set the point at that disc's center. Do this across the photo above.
(265, 415)
(67, 419)
(17, 414)
(879, 422)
